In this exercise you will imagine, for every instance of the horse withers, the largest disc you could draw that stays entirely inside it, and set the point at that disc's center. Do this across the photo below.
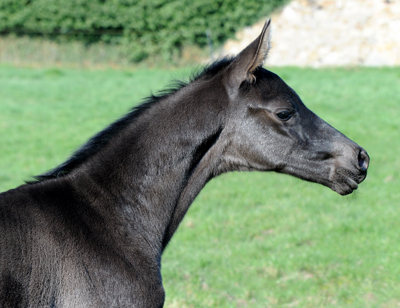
(91, 232)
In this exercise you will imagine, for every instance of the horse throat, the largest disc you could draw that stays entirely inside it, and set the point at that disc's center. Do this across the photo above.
(203, 168)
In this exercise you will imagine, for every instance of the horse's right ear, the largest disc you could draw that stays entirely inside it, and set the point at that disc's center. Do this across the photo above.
(249, 59)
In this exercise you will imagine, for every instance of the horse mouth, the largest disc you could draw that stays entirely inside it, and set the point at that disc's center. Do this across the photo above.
(345, 181)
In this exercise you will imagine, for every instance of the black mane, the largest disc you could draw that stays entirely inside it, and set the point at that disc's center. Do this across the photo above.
(98, 141)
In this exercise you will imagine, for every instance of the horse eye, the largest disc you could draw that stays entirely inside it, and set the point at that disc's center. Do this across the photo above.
(284, 115)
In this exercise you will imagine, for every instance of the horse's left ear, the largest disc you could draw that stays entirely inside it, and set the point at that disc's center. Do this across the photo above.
(250, 58)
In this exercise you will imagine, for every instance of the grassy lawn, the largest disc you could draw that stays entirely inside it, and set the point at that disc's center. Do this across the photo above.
(249, 239)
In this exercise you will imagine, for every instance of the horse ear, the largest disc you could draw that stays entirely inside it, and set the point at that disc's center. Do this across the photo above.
(250, 58)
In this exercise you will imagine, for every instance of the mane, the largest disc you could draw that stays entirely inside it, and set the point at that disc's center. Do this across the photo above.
(101, 139)
(212, 69)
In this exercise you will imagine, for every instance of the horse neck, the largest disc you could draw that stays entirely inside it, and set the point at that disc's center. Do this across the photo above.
(150, 174)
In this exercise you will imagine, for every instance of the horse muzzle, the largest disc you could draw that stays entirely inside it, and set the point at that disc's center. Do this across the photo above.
(347, 175)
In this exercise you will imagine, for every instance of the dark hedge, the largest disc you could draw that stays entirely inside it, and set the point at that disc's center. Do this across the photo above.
(145, 28)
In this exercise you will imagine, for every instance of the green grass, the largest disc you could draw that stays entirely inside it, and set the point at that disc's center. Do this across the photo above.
(249, 239)
(24, 50)
(42, 52)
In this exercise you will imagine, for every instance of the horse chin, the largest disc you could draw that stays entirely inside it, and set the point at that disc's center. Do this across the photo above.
(346, 181)
(345, 188)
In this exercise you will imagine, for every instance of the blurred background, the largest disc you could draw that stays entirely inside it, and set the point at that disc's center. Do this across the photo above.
(70, 68)
(122, 32)
(332, 33)
(119, 33)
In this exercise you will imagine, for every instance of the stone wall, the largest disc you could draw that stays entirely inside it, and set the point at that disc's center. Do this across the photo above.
(330, 33)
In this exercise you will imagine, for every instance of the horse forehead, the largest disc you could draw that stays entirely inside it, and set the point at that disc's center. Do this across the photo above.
(270, 86)
(271, 80)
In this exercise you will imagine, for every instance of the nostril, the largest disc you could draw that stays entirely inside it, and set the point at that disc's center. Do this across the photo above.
(363, 160)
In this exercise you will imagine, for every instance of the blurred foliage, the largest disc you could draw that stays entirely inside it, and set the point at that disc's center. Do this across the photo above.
(143, 27)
